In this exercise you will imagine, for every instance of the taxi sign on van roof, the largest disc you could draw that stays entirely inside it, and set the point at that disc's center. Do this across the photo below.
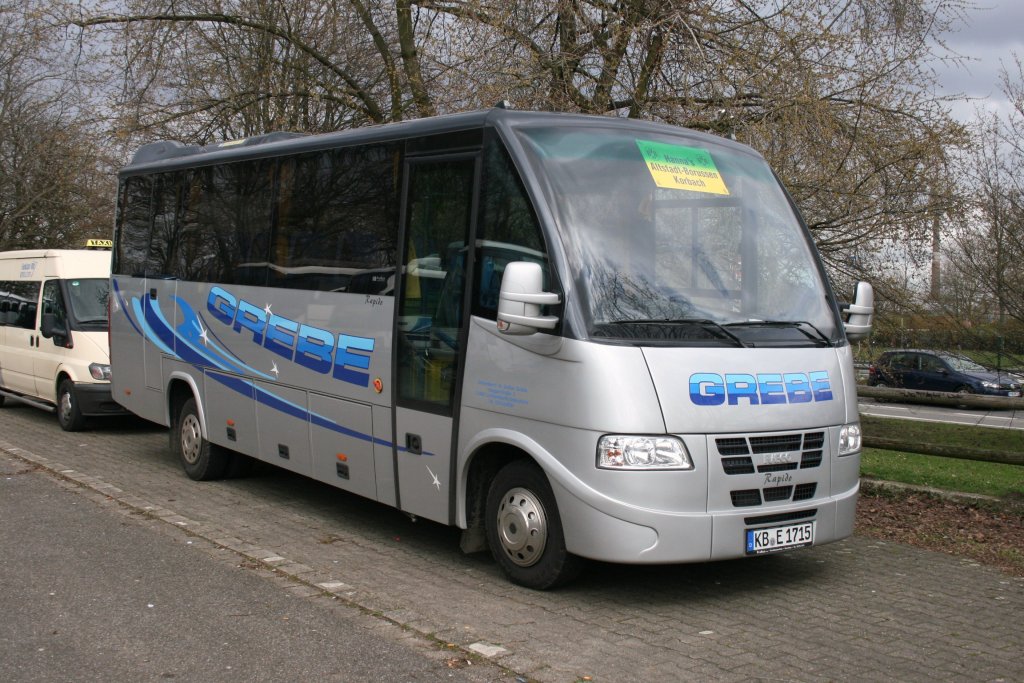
(99, 244)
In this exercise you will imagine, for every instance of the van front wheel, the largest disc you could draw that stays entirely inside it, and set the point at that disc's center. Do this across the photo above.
(69, 415)
(201, 459)
(524, 530)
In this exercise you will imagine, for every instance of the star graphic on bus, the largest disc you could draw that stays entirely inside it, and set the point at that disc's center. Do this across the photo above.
(274, 369)
(436, 482)
(203, 334)
(267, 310)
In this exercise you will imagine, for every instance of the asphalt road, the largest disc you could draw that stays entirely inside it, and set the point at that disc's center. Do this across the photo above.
(93, 591)
(855, 610)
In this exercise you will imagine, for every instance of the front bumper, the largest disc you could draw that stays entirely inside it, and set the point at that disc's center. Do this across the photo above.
(663, 538)
(95, 400)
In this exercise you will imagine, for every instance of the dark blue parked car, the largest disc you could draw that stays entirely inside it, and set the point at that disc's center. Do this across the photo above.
(939, 371)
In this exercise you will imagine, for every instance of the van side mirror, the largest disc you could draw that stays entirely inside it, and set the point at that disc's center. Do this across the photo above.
(860, 312)
(50, 328)
(521, 296)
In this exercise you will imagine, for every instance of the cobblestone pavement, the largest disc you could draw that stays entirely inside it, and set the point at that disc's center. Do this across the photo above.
(856, 610)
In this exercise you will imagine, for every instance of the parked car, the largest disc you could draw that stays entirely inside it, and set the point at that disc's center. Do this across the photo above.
(939, 371)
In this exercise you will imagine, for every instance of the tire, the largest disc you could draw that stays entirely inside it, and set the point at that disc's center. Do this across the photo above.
(69, 415)
(964, 390)
(524, 530)
(202, 460)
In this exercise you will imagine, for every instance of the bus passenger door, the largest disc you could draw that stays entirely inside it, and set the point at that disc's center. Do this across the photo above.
(429, 331)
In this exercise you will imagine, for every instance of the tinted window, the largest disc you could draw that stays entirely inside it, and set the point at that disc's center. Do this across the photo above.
(508, 229)
(337, 221)
(335, 211)
(225, 223)
(166, 226)
(18, 303)
(134, 219)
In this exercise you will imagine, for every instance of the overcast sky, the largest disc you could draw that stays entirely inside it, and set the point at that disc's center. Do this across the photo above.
(993, 32)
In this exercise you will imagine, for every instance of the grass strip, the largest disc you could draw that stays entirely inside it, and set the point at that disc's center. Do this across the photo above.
(947, 439)
(949, 474)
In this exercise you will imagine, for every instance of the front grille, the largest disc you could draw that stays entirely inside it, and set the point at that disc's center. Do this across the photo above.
(810, 459)
(738, 465)
(773, 494)
(777, 493)
(739, 456)
(746, 498)
(781, 517)
(775, 444)
(779, 467)
(804, 491)
(814, 442)
(809, 445)
(732, 446)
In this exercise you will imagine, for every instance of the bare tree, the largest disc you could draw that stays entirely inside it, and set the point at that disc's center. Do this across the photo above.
(835, 93)
(53, 192)
(988, 251)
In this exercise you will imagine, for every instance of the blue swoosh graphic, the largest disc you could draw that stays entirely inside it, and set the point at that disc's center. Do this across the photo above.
(184, 343)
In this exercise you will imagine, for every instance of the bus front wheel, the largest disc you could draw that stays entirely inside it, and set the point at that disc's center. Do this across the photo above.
(201, 459)
(524, 530)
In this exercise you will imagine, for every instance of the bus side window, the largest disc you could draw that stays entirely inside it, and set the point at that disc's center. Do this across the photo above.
(134, 224)
(337, 221)
(508, 231)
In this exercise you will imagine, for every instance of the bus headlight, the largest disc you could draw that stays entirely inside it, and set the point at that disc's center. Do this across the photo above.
(849, 438)
(624, 452)
(99, 371)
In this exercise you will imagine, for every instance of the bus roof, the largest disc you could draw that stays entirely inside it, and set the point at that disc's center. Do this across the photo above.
(168, 155)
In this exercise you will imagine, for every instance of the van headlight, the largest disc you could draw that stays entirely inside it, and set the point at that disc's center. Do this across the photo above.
(99, 371)
(849, 438)
(625, 452)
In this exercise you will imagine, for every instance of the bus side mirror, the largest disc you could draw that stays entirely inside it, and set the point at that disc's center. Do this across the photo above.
(859, 313)
(522, 294)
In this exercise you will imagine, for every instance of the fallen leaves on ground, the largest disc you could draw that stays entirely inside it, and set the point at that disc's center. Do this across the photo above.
(989, 534)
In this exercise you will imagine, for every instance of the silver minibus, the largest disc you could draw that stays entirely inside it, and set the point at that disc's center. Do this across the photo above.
(571, 336)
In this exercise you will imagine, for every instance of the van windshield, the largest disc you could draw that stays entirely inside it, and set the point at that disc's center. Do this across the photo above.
(87, 301)
(679, 240)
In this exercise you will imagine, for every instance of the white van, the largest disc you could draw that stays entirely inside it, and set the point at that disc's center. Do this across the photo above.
(53, 332)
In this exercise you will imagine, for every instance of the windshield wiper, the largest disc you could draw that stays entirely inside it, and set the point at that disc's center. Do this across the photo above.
(806, 328)
(702, 322)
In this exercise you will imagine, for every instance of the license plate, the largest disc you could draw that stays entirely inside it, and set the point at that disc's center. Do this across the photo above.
(774, 539)
(1014, 394)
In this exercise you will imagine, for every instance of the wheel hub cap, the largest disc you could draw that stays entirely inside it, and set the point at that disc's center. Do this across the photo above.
(522, 527)
(65, 406)
(191, 439)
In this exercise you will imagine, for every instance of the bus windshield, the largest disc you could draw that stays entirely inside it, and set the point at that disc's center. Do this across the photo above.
(674, 240)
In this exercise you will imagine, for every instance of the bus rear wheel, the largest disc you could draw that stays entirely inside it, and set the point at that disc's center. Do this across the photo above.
(201, 459)
(524, 530)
